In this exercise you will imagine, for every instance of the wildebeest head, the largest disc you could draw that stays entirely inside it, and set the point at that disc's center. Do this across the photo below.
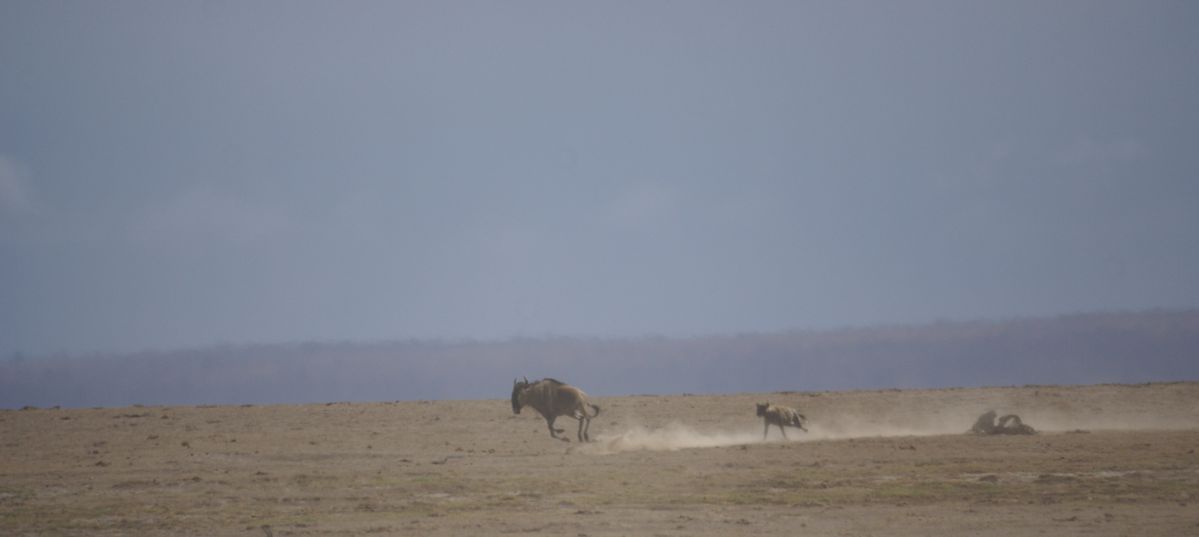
(518, 386)
(762, 408)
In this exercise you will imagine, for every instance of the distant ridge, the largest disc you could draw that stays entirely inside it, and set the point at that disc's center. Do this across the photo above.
(1071, 349)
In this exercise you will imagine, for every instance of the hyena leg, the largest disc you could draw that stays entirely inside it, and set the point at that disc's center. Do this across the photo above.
(766, 431)
(784, 431)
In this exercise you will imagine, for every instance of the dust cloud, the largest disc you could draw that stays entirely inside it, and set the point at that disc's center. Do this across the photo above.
(676, 436)
(672, 437)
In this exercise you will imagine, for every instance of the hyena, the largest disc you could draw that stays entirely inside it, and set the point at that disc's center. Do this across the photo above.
(780, 415)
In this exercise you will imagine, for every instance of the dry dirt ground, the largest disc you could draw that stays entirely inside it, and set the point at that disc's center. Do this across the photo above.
(1110, 460)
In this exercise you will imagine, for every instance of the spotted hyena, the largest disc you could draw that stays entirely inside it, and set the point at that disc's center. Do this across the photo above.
(780, 415)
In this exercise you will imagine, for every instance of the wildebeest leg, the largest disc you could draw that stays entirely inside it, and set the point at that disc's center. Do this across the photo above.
(584, 424)
(554, 432)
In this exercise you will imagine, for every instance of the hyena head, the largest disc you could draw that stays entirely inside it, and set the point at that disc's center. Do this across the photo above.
(762, 408)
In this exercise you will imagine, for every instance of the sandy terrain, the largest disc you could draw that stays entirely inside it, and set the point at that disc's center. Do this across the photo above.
(1111, 460)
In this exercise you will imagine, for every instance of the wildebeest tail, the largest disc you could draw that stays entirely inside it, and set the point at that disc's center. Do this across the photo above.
(595, 408)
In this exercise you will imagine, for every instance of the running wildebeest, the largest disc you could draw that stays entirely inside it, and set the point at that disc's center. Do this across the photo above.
(780, 415)
(553, 398)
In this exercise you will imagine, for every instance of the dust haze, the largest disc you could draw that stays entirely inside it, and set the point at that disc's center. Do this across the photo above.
(1083, 349)
(672, 437)
(1051, 409)
(874, 463)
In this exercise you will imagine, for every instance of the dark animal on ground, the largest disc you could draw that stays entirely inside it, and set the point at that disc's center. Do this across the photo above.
(1009, 424)
(553, 398)
(780, 415)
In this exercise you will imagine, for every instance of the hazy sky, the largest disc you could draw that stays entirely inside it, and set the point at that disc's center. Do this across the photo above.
(184, 173)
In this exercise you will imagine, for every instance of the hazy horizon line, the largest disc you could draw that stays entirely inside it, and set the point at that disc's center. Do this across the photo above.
(18, 355)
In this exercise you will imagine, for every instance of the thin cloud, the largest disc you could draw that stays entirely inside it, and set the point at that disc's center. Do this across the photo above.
(15, 196)
(202, 214)
(644, 206)
(1090, 152)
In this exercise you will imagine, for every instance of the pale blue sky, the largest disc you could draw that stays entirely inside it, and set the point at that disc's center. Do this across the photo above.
(177, 174)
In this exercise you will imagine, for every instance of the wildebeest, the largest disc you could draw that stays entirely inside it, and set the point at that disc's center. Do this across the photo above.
(553, 398)
(780, 415)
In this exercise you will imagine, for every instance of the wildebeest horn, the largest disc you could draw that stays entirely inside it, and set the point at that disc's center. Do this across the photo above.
(526, 380)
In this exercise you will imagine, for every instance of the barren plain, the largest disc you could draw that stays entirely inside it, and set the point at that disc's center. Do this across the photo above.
(1108, 460)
